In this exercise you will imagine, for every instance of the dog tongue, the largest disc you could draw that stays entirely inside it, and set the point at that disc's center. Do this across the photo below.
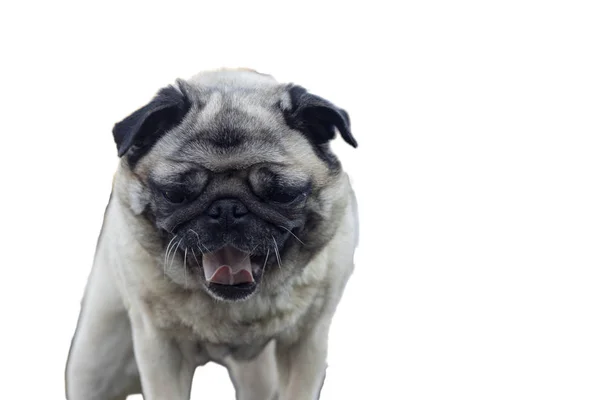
(227, 266)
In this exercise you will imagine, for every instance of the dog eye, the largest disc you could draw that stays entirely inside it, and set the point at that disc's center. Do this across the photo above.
(175, 197)
(285, 197)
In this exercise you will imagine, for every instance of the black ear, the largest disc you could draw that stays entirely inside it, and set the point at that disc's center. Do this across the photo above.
(316, 117)
(137, 133)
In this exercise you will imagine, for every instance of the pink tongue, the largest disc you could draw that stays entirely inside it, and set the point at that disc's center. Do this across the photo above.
(227, 266)
(224, 276)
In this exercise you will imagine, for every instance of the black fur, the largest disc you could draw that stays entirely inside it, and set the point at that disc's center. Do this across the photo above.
(317, 118)
(137, 133)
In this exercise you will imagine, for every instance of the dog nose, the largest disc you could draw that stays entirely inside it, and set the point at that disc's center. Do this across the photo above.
(227, 209)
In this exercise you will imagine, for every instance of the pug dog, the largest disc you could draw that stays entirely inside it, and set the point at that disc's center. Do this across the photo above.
(229, 236)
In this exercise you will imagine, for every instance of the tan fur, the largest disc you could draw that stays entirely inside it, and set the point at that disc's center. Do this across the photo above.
(172, 326)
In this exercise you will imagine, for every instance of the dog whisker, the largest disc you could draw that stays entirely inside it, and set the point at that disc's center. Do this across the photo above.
(292, 233)
(199, 242)
(277, 252)
(185, 266)
(249, 254)
(175, 252)
(170, 252)
(196, 258)
(265, 264)
(205, 248)
(167, 256)
(168, 246)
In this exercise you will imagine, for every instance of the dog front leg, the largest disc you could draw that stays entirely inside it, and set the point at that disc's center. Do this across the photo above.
(255, 379)
(166, 366)
(302, 365)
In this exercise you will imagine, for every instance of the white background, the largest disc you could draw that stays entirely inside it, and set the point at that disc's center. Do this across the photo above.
(477, 174)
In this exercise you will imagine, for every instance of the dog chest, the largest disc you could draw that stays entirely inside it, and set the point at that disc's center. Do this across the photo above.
(237, 327)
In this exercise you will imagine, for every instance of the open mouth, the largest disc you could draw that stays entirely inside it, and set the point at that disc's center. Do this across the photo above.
(227, 266)
(231, 273)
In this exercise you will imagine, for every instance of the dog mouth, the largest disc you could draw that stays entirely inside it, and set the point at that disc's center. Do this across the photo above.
(232, 274)
(228, 266)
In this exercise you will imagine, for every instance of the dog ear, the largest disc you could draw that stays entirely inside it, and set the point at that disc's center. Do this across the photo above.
(316, 117)
(137, 133)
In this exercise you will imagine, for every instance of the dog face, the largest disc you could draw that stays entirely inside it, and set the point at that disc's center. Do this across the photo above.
(232, 179)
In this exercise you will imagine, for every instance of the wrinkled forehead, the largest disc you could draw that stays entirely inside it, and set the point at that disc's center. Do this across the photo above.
(232, 131)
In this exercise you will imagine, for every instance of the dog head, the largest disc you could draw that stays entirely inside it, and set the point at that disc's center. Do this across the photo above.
(232, 178)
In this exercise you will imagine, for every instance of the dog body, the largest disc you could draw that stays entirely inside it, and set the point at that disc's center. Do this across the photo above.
(229, 237)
